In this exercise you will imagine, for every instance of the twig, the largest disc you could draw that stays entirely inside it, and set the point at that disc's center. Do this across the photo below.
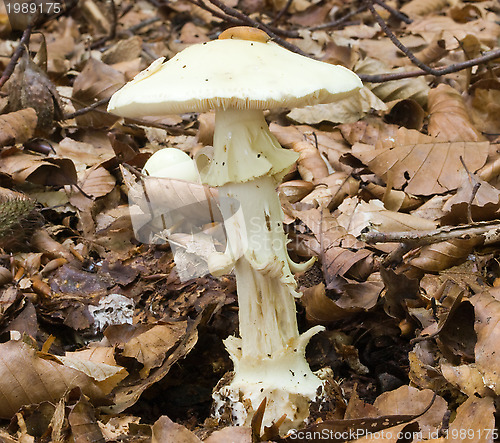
(425, 69)
(394, 12)
(397, 43)
(475, 187)
(489, 229)
(9, 69)
(282, 12)
(341, 21)
(89, 108)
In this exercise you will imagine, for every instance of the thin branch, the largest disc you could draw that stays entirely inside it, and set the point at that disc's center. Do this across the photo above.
(425, 69)
(89, 108)
(282, 12)
(9, 69)
(490, 230)
(394, 12)
(396, 42)
(341, 21)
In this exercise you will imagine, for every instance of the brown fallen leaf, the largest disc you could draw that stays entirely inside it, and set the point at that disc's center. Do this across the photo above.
(443, 255)
(448, 117)
(231, 434)
(424, 168)
(17, 127)
(422, 7)
(97, 81)
(27, 377)
(82, 419)
(165, 430)
(487, 311)
(475, 422)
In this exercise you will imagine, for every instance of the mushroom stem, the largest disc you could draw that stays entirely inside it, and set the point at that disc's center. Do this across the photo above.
(269, 358)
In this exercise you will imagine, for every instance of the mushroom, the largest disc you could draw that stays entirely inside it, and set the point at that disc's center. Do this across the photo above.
(240, 75)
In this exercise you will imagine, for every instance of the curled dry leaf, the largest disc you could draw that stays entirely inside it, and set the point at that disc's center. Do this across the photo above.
(451, 31)
(415, 88)
(347, 110)
(407, 113)
(357, 215)
(82, 419)
(423, 7)
(484, 206)
(444, 255)
(448, 116)
(487, 326)
(369, 132)
(27, 377)
(97, 182)
(106, 376)
(424, 168)
(17, 127)
(165, 350)
(311, 165)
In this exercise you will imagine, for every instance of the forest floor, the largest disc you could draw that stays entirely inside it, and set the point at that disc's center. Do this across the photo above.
(396, 192)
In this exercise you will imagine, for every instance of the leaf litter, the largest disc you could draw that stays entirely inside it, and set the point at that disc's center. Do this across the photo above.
(103, 340)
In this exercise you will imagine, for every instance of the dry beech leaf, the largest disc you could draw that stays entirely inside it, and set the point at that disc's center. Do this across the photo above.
(448, 117)
(424, 168)
(96, 81)
(487, 311)
(395, 410)
(122, 51)
(393, 200)
(311, 165)
(165, 430)
(474, 422)
(150, 343)
(357, 215)
(40, 170)
(17, 127)
(106, 376)
(231, 434)
(444, 255)
(369, 132)
(415, 88)
(347, 110)
(165, 350)
(407, 113)
(423, 7)
(82, 419)
(97, 182)
(409, 400)
(484, 206)
(486, 107)
(451, 31)
(27, 378)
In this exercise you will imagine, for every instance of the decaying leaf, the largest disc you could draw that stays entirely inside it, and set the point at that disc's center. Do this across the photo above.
(27, 378)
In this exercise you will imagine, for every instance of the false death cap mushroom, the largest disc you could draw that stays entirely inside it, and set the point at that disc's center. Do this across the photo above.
(239, 76)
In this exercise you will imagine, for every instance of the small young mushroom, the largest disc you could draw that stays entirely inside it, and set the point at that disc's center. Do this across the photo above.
(240, 76)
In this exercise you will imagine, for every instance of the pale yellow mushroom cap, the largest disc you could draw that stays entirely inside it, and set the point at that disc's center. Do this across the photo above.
(232, 73)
